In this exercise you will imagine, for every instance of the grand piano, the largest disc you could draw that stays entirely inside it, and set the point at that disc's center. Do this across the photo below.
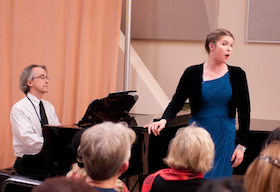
(56, 156)
(148, 151)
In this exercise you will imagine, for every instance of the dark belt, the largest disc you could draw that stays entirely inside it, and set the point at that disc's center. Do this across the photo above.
(18, 164)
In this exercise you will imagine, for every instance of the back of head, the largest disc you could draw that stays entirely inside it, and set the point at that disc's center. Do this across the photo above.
(63, 184)
(212, 186)
(105, 148)
(26, 76)
(192, 148)
(222, 185)
(273, 136)
(263, 174)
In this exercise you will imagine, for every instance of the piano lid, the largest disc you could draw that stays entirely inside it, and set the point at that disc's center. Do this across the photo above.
(114, 108)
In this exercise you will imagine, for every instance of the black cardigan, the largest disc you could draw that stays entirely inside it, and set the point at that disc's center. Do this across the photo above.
(189, 87)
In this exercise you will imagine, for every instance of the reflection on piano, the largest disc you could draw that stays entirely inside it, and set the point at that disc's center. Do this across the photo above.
(56, 156)
(114, 108)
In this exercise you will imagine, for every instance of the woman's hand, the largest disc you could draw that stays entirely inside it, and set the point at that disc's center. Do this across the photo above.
(156, 127)
(237, 157)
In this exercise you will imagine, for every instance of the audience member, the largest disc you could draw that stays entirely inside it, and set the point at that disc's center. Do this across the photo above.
(263, 174)
(191, 155)
(222, 185)
(63, 184)
(105, 149)
(273, 136)
(77, 169)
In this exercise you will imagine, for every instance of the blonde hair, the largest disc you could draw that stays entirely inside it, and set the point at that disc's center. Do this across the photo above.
(192, 148)
(105, 148)
(263, 174)
(77, 172)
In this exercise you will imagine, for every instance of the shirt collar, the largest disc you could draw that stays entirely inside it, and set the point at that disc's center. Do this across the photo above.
(34, 99)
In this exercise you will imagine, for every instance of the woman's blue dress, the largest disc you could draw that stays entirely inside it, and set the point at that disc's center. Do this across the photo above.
(214, 116)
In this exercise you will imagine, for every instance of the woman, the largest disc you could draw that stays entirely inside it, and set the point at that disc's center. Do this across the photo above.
(215, 91)
(191, 154)
(263, 174)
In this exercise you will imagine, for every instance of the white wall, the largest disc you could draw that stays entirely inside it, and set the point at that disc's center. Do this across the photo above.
(152, 99)
(167, 60)
(260, 61)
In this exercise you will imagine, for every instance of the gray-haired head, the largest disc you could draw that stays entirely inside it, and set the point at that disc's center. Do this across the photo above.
(27, 75)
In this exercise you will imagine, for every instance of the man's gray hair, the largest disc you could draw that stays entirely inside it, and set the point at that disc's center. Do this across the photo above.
(105, 148)
(27, 75)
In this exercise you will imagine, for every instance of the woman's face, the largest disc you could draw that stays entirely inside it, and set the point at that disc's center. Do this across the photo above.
(222, 49)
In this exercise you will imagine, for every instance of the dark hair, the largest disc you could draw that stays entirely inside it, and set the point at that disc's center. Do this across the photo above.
(27, 75)
(273, 136)
(214, 36)
(75, 146)
(63, 184)
(222, 185)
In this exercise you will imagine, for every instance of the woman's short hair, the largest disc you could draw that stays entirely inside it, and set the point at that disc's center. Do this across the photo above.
(27, 75)
(105, 148)
(192, 148)
(215, 36)
(263, 174)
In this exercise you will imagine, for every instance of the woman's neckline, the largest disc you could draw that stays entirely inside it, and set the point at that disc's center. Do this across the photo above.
(215, 78)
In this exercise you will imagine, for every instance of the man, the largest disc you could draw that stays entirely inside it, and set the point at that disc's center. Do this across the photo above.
(106, 150)
(28, 117)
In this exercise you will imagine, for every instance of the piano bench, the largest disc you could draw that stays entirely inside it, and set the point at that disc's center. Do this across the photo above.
(5, 174)
(19, 183)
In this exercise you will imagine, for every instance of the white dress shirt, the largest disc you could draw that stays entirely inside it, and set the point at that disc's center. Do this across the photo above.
(26, 125)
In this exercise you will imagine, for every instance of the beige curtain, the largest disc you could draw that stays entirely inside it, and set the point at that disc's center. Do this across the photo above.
(78, 42)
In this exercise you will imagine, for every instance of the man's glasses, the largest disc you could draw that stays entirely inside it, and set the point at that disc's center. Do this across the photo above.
(41, 77)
